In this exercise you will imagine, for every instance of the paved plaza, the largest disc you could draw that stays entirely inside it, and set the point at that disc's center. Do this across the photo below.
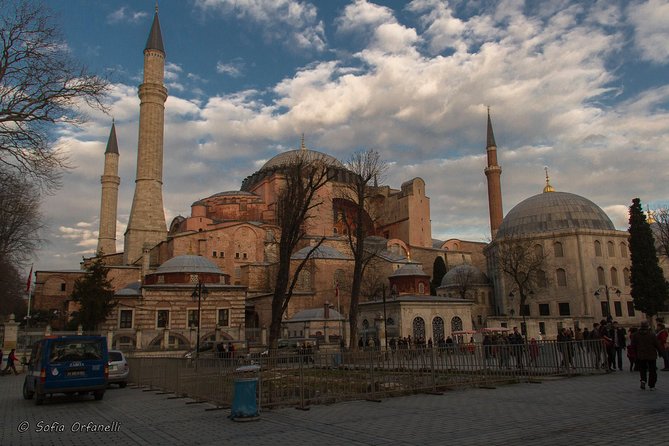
(589, 410)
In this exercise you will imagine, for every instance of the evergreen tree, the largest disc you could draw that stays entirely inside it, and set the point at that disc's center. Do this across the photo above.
(649, 288)
(94, 294)
(438, 273)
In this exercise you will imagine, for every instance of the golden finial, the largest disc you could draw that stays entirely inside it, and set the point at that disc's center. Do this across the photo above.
(548, 187)
(650, 219)
(156, 6)
(302, 146)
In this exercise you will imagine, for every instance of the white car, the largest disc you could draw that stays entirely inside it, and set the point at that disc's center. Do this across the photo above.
(118, 368)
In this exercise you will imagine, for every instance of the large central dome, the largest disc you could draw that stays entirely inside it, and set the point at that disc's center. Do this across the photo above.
(286, 158)
(553, 211)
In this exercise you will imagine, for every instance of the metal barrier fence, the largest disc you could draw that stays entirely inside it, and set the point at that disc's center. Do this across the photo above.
(316, 377)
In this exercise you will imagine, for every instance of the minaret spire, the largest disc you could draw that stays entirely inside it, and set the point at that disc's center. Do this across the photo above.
(109, 199)
(548, 187)
(146, 225)
(493, 173)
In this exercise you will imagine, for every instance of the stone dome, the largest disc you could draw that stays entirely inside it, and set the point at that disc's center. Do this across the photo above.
(285, 158)
(409, 269)
(188, 264)
(455, 276)
(315, 314)
(553, 211)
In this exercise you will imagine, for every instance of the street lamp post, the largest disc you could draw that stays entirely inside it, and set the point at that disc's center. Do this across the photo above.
(521, 308)
(200, 292)
(608, 299)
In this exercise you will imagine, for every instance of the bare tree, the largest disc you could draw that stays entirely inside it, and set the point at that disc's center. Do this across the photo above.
(40, 86)
(12, 290)
(367, 167)
(524, 264)
(464, 280)
(296, 204)
(661, 231)
(20, 218)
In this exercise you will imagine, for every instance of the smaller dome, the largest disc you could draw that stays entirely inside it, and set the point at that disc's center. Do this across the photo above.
(409, 269)
(465, 272)
(315, 314)
(131, 289)
(286, 158)
(188, 264)
(322, 252)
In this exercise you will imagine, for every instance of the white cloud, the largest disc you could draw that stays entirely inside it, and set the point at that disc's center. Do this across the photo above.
(232, 69)
(123, 14)
(292, 21)
(361, 16)
(651, 29)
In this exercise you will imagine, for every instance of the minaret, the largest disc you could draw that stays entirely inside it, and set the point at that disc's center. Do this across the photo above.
(146, 225)
(109, 201)
(493, 172)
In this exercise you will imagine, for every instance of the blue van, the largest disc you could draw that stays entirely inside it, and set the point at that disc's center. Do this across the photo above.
(67, 364)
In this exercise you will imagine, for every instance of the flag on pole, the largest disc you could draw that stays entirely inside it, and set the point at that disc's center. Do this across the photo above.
(30, 279)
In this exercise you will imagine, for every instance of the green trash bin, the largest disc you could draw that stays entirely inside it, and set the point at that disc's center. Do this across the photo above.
(244, 401)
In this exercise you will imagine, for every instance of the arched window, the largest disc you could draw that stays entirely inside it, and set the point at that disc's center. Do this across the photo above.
(623, 250)
(456, 324)
(538, 250)
(304, 280)
(418, 328)
(339, 277)
(561, 276)
(614, 277)
(626, 276)
(437, 328)
(611, 248)
(541, 279)
(557, 249)
(598, 248)
(365, 324)
(600, 276)
(421, 288)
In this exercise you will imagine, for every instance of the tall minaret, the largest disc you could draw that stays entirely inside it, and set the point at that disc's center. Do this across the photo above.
(110, 182)
(493, 172)
(146, 225)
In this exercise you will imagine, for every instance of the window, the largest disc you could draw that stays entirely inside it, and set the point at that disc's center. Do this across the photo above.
(564, 309)
(125, 319)
(213, 254)
(192, 319)
(618, 308)
(611, 248)
(456, 324)
(62, 286)
(163, 319)
(614, 277)
(525, 310)
(223, 317)
(542, 328)
(623, 250)
(544, 310)
(561, 276)
(557, 249)
(605, 309)
(245, 256)
(236, 255)
(541, 279)
(630, 309)
(221, 254)
(598, 248)
(626, 276)
(600, 276)
(421, 288)
(538, 251)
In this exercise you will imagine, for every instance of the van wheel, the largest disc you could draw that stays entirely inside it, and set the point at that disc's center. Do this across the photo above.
(39, 399)
(98, 394)
(27, 394)
(122, 384)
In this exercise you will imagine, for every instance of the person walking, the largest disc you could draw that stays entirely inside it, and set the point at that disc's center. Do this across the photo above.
(619, 344)
(11, 358)
(647, 348)
(662, 335)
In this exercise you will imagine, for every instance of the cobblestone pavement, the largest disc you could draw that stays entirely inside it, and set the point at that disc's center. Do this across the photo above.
(589, 410)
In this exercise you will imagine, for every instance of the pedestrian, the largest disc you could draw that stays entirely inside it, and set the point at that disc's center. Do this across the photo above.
(11, 358)
(619, 343)
(534, 351)
(1, 357)
(647, 348)
(631, 350)
(516, 341)
(662, 335)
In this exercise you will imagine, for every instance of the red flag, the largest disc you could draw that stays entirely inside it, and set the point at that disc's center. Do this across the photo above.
(30, 279)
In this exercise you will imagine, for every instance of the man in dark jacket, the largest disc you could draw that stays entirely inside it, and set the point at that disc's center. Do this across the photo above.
(619, 343)
(647, 348)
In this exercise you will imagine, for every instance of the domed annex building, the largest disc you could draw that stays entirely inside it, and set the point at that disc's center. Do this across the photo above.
(229, 244)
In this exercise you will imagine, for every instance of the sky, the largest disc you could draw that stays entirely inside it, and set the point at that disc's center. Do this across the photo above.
(580, 87)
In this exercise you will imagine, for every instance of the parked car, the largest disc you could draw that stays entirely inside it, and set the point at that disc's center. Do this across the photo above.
(118, 368)
(67, 364)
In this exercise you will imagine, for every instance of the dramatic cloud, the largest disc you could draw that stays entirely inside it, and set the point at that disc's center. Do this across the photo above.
(651, 29)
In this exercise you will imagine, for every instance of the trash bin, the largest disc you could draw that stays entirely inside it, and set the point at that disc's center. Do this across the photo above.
(244, 403)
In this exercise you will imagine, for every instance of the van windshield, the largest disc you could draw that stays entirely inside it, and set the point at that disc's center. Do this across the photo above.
(79, 350)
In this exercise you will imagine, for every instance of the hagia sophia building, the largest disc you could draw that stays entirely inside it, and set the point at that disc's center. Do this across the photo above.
(229, 244)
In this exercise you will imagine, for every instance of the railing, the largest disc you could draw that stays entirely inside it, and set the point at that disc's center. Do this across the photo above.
(315, 377)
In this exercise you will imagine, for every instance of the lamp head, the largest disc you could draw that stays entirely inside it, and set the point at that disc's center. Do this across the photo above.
(618, 293)
(597, 293)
